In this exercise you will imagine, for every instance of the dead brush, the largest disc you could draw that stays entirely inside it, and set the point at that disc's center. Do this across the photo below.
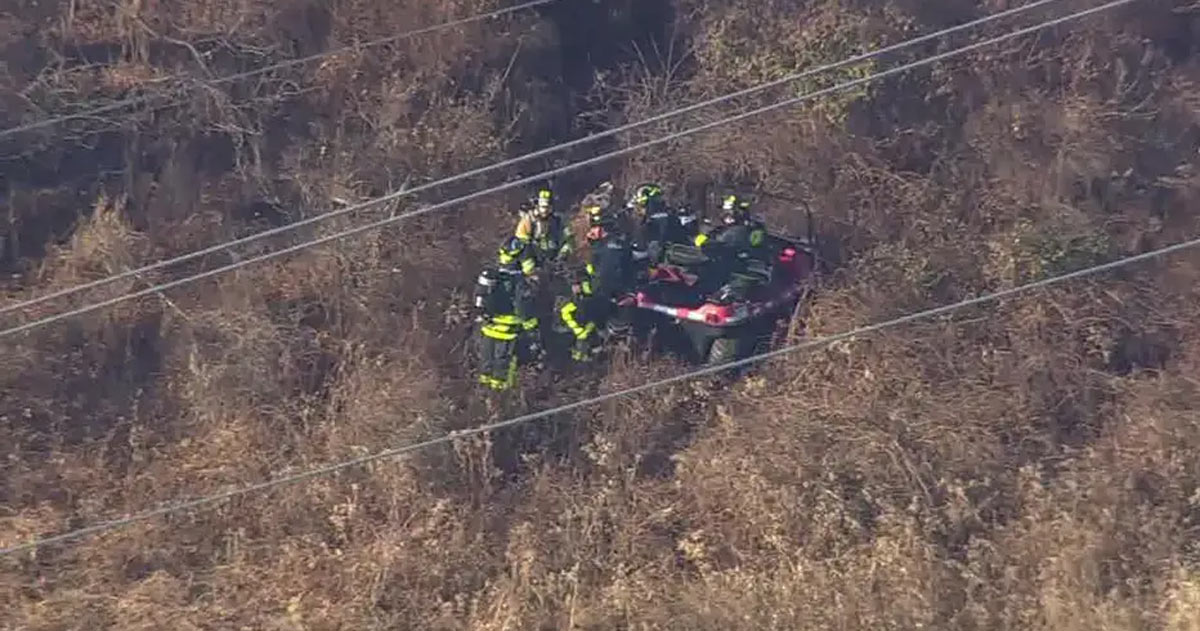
(989, 471)
(103, 244)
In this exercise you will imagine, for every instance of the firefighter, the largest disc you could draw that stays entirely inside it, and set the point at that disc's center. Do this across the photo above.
(659, 225)
(519, 254)
(582, 315)
(611, 257)
(738, 234)
(614, 267)
(544, 229)
(596, 284)
(508, 324)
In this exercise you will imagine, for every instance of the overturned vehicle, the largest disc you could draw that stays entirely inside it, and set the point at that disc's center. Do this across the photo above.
(718, 309)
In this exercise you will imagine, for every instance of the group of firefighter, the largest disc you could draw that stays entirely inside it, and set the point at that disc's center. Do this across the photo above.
(621, 246)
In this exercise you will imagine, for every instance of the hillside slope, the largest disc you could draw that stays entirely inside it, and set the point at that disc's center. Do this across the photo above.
(1032, 465)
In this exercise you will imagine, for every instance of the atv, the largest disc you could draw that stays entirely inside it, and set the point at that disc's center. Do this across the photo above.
(724, 307)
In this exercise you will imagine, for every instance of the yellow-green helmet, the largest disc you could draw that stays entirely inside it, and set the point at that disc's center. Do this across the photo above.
(544, 203)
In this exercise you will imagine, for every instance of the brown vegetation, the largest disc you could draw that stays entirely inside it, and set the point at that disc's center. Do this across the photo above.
(1034, 464)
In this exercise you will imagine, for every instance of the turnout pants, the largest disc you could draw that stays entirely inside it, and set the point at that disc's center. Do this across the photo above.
(500, 350)
(580, 317)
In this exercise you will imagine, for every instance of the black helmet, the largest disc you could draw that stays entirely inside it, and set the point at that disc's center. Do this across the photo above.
(600, 225)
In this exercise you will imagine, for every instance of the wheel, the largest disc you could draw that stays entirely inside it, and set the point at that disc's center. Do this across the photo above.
(725, 350)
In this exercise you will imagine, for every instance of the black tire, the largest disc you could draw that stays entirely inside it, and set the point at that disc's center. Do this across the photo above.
(725, 350)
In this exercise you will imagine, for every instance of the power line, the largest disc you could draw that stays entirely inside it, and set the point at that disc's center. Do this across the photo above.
(116, 105)
(513, 161)
(552, 172)
(710, 370)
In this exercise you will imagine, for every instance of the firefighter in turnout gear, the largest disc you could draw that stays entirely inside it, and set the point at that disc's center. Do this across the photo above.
(611, 256)
(659, 225)
(508, 325)
(738, 234)
(581, 315)
(544, 229)
(612, 269)
(518, 254)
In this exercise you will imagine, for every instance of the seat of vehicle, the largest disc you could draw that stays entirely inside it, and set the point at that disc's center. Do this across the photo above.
(685, 255)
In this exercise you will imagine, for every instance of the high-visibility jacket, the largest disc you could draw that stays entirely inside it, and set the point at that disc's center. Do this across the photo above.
(550, 237)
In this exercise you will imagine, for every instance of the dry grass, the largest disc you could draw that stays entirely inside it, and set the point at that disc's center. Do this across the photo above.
(1030, 465)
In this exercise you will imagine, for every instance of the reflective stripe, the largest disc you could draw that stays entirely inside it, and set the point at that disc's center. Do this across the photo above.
(701, 239)
(503, 334)
(506, 319)
(528, 266)
(530, 324)
(511, 377)
(568, 315)
(756, 237)
(507, 382)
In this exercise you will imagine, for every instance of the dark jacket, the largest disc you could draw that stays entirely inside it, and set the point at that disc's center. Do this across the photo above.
(613, 264)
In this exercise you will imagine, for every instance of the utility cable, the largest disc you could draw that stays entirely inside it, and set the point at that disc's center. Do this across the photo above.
(137, 100)
(552, 172)
(625, 392)
(513, 161)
